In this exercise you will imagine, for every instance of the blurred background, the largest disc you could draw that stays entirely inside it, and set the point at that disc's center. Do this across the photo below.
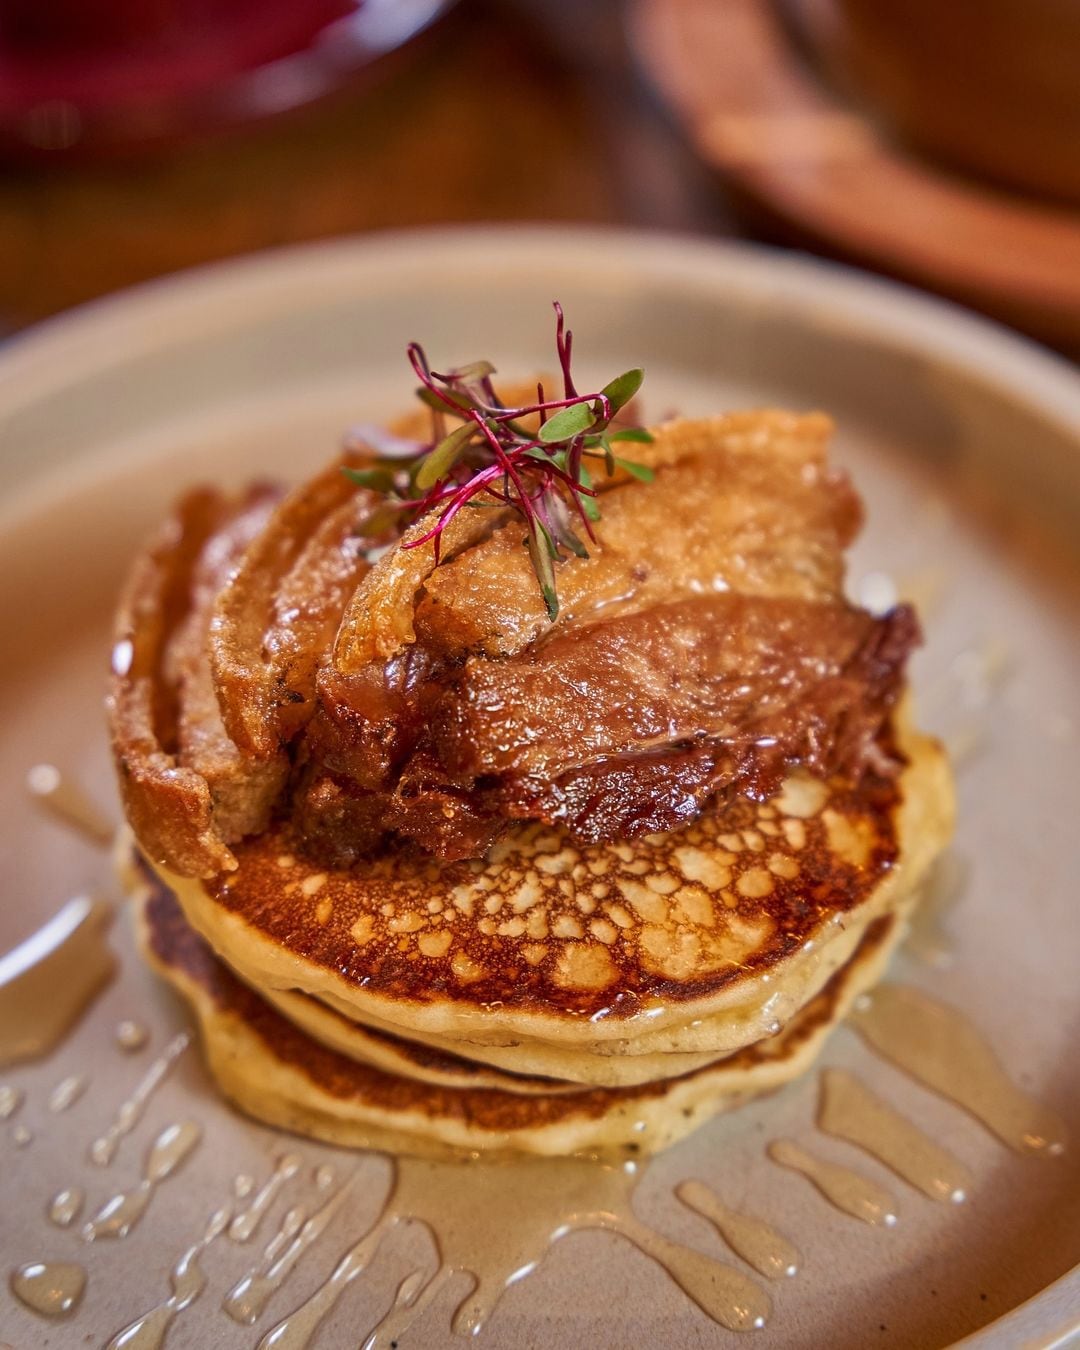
(936, 143)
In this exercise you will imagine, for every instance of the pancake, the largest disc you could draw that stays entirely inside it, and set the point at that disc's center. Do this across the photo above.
(459, 844)
(409, 1059)
(606, 964)
(280, 1075)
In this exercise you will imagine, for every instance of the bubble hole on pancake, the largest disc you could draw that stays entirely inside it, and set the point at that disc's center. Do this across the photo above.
(278, 1074)
(707, 939)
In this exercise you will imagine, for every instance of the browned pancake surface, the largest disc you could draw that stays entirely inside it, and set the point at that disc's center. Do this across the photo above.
(176, 947)
(547, 925)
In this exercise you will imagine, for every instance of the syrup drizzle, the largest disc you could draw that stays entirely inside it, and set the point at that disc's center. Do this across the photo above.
(938, 1047)
(852, 1112)
(50, 1288)
(927, 939)
(245, 1223)
(186, 1280)
(246, 1300)
(538, 1202)
(297, 1329)
(68, 804)
(103, 1149)
(66, 1206)
(759, 1245)
(48, 980)
(848, 1191)
(416, 1292)
(67, 1092)
(119, 1215)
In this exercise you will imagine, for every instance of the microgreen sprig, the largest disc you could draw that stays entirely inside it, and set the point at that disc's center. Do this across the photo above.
(481, 454)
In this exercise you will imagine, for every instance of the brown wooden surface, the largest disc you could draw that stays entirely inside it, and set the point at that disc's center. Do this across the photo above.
(516, 110)
(768, 124)
(503, 112)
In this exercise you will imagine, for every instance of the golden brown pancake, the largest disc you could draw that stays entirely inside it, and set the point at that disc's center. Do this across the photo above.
(471, 870)
(601, 964)
(277, 1073)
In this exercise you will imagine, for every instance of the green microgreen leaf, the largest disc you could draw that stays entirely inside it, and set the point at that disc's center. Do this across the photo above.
(475, 370)
(638, 434)
(542, 555)
(622, 388)
(641, 472)
(589, 505)
(567, 423)
(569, 540)
(378, 479)
(438, 462)
(438, 401)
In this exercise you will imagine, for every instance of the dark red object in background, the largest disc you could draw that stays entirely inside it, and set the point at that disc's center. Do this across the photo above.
(92, 74)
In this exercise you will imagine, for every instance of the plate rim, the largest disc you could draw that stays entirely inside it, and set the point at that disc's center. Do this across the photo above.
(972, 341)
(101, 333)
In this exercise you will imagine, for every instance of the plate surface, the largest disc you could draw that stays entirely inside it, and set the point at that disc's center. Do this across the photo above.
(965, 442)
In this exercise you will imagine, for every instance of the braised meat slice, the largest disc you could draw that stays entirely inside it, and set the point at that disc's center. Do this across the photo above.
(705, 644)
(188, 790)
(746, 671)
(743, 503)
(276, 658)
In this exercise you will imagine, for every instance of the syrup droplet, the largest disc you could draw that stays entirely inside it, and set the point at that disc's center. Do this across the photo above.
(940, 1048)
(759, 1245)
(66, 1206)
(67, 1092)
(119, 1215)
(51, 1288)
(852, 1112)
(10, 1100)
(129, 1113)
(848, 1191)
(68, 803)
(131, 1036)
(48, 980)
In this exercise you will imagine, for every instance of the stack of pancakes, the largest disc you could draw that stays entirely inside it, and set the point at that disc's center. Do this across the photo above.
(556, 994)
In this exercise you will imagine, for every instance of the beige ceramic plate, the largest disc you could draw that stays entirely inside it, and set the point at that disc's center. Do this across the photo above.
(966, 444)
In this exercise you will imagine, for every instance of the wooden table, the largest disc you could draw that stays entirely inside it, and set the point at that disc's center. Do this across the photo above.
(505, 111)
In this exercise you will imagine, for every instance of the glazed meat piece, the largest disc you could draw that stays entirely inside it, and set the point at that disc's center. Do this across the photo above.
(276, 614)
(286, 661)
(744, 503)
(627, 727)
(745, 671)
(188, 790)
(704, 644)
